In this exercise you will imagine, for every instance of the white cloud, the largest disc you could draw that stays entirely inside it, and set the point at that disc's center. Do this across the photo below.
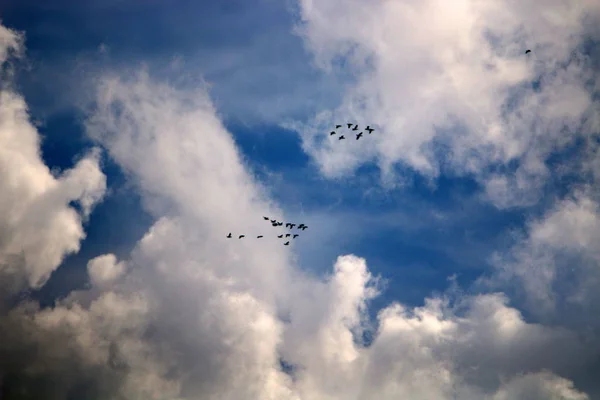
(447, 85)
(191, 314)
(540, 386)
(37, 225)
(10, 41)
(105, 269)
(556, 262)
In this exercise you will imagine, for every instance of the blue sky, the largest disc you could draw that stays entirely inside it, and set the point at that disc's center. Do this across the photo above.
(475, 200)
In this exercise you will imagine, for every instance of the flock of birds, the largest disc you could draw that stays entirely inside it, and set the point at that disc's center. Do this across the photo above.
(355, 128)
(276, 223)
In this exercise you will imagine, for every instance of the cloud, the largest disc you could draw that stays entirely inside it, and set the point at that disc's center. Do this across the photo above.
(105, 269)
(38, 226)
(190, 314)
(449, 88)
(554, 264)
(540, 386)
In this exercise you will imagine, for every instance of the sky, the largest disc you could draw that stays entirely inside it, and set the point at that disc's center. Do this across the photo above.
(454, 253)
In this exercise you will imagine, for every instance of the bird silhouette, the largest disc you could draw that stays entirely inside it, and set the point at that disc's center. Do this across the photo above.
(295, 236)
(280, 223)
(292, 226)
(355, 128)
(279, 236)
(273, 221)
(300, 226)
(331, 133)
(288, 234)
(359, 136)
(368, 128)
(229, 236)
(241, 236)
(338, 126)
(258, 237)
(286, 243)
(528, 51)
(349, 126)
(304, 227)
(341, 137)
(287, 224)
(266, 218)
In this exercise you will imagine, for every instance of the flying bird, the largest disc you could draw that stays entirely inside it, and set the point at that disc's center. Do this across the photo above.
(528, 51)
(368, 128)
(338, 126)
(355, 128)
(229, 236)
(295, 236)
(331, 133)
(266, 218)
(241, 236)
(273, 221)
(279, 236)
(304, 227)
(349, 126)
(288, 234)
(341, 137)
(359, 136)
(292, 226)
(258, 237)
(286, 243)
(300, 226)
(287, 224)
(280, 223)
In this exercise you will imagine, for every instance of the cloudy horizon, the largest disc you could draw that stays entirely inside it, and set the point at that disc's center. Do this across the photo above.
(451, 254)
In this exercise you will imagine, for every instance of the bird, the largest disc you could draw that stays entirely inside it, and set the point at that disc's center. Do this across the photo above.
(279, 236)
(241, 236)
(292, 226)
(368, 128)
(273, 221)
(275, 225)
(359, 136)
(266, 218)
(300, 226)
(286, 243)
(528, 51)
(229, 236)
(280, 223)
(288, 234)
(295, 236)
(338, 126)
(258, 237)
(341, 137)
(287, 224)
(332, 133)
(349, 126)
(355, 128)
(304, 227)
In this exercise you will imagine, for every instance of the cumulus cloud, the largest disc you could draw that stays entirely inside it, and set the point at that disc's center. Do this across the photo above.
(105, 269)
(555, 263)
(38, 227)
(448, 86)
(192, 315)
